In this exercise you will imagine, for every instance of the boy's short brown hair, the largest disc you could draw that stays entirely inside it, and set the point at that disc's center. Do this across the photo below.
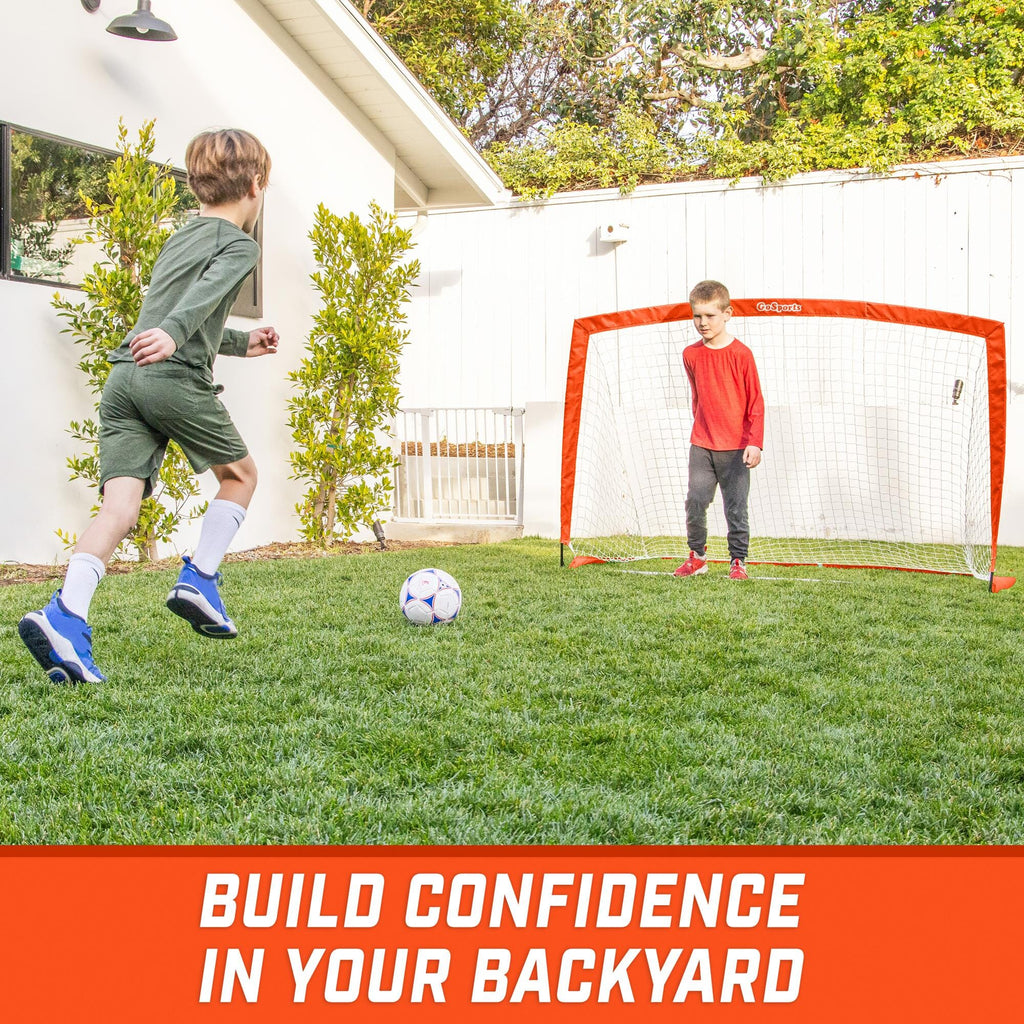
(710, 291)
(223, 163)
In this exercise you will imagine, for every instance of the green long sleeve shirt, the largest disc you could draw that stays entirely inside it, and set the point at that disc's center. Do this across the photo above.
(195, 281)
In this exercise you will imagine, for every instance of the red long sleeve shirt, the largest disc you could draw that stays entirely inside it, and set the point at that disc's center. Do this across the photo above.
(728, 407)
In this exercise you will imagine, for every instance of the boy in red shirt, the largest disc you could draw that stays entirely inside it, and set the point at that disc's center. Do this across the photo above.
(728, 429)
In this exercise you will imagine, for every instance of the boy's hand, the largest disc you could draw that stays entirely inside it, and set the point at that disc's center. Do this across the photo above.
(262, 342)
(751, 456)
(152, 346)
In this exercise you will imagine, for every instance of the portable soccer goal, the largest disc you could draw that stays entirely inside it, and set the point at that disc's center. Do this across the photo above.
(884, 437)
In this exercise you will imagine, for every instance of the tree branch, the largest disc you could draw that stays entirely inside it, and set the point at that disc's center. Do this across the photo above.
(609, 56)
(687, 96)
(749, 57)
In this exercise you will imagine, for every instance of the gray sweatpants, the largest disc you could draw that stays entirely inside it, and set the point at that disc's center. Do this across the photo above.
(709, 470)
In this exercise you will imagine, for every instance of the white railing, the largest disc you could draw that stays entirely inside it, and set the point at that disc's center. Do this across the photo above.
(459, 465)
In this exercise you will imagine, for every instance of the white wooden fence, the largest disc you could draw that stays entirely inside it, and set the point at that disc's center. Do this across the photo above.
(492, 313)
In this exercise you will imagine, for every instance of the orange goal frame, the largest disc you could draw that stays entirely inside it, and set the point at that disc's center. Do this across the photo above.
(993, 332)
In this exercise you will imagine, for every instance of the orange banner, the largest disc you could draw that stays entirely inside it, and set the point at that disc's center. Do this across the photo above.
(510, 933)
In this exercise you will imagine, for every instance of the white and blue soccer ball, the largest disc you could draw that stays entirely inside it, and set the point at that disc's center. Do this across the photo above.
(429, 596)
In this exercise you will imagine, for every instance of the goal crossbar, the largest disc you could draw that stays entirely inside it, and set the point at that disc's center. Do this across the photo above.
(989, 333)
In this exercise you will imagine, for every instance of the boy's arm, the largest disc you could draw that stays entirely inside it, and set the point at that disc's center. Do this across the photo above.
(229, 266)
(754, 412)
(152, 346)
(156, 345)
(260, 342)
(233, 343)
(693, 383)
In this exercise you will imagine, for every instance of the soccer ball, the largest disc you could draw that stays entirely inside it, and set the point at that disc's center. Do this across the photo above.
(429, 596)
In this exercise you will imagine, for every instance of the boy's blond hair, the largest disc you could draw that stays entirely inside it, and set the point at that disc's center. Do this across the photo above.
(710, 291)
(222, 165)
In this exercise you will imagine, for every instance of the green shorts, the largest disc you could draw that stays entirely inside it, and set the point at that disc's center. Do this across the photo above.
(143, 407)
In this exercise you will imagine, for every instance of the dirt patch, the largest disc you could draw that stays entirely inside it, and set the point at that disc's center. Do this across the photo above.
(14, 572)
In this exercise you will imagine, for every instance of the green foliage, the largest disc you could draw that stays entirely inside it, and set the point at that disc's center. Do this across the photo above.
(34, 253)
(630, 152)
(347, 383)
(131, 227)
(49, 179)
(930, 81)
(500, 68)
(825, 85)
(872, 85)
(455, 50)
(736, 87)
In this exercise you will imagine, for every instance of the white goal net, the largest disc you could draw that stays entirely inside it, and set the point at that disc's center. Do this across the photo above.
(883, 436)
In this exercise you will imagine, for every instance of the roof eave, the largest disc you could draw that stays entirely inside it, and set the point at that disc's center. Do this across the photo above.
(466, 179)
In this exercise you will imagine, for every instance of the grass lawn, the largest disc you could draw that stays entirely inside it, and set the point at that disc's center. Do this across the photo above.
(563, 706)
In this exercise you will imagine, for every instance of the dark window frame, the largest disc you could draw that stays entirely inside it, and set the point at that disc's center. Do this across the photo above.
(250, 300)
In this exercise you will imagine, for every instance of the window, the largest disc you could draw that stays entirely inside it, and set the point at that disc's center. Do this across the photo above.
(43, 208)
(42, 180)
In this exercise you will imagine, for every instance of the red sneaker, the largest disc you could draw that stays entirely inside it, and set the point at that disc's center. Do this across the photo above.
(693, 566)
(737, 570)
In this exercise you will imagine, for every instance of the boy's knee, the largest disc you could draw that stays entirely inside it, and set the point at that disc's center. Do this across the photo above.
(122, 519)
(248, 475)
(120, 510)
(242, 472)
(237, 480)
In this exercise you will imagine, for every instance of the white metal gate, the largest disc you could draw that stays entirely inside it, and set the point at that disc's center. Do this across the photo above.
(459, 465)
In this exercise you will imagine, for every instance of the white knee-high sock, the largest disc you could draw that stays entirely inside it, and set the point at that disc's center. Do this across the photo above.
(220, 524)
(83, 577)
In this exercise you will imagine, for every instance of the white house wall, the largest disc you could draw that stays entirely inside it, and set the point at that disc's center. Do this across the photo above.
(65, 75)
(491, 317)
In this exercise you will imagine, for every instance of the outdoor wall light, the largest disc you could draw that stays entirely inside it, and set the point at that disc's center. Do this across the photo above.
(141, 25)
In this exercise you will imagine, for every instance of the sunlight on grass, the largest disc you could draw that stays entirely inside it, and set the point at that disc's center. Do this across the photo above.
(563, 706)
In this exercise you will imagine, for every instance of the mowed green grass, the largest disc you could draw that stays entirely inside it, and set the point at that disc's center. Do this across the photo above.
(563, 706)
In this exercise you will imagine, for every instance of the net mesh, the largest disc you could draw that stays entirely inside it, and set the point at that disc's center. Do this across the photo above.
(876, 446)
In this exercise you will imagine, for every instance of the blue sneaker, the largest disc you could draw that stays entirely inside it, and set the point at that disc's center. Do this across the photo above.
(61, 642)
(196, 599)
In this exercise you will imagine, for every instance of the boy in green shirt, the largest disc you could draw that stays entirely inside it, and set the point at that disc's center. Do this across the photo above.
(161, 388)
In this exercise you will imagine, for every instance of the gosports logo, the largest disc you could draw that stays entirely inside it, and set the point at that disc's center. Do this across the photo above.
(779, 307)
